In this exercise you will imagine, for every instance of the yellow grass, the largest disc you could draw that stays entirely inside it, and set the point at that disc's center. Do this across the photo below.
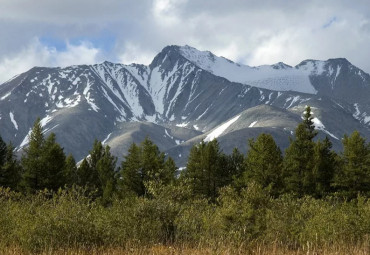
(273, 249)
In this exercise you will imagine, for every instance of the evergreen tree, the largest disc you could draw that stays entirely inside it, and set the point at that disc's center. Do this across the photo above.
(152, 161)
(206, 169)
(10, 171)
(235, 164)
(97, 171)
(264, 163)
(43, 162)
(105, 167)
(299, 158)
(32, 161)
(131, 172)
(53, 161)
(354, 173)
(169, 171)
(70, 171)
(142, 164)
(324, 167)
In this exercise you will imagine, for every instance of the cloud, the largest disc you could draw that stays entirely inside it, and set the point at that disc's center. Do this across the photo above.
(250, 32)
(37, 54)
(133, 53)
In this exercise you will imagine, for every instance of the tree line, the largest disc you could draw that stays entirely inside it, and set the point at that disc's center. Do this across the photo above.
(308, 166)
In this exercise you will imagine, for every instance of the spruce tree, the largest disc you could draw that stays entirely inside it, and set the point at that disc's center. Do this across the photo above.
(354, 173)
(32, 161)
(54, 160)
(206, 169)
(70, 171)
(299, 158)
(105, 167)
(131, 180)
(263, 163)
(325, 162)
(143, 164)
(10, 171)
(97, 171)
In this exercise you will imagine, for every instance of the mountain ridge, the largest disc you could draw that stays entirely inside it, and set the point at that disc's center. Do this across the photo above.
(81, 103)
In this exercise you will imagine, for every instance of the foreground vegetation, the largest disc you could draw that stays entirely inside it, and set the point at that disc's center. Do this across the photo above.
(309, 200)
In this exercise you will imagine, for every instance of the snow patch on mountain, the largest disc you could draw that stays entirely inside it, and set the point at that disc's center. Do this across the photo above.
(252, 124)
(268, 77)
(11, 115)
(219, 130)
(5, 96)
(319, 126)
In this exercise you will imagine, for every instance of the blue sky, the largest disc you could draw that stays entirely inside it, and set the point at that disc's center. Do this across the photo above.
(252, 32)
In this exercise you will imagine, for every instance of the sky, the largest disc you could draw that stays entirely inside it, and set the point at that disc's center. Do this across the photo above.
(252, 32)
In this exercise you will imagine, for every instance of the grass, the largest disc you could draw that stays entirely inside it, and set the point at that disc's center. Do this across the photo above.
(159, 249)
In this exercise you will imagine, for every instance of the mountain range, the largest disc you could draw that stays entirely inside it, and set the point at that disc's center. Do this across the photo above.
(182, 97)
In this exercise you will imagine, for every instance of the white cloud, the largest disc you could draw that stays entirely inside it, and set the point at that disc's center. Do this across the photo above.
(36, 54)
(133, 53)
(249, 32)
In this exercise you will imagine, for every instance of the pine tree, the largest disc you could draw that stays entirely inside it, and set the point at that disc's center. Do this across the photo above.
(131, 172)
(10, 171)
(143, 164)
(325, 161)
(354, 173)
(206, 169)
(105, 167)
(263, 163)
(97, 171)
(298, 160)
(54, 160)
(152, 161)
(32, 162)
(43, 162)
(70, 171)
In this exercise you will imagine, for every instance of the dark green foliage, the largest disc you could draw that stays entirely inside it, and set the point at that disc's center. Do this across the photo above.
(207, 169)
(131, 172)
(70, 171)
(264, 163)
(142, 164)
(43, 162)
(354, 172)
(299, 158)
(97, 171)
(10, 171)
(325, 163)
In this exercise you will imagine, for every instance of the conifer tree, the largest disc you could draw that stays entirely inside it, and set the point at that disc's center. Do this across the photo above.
(143, 164)
(263, 163)
(131, 172)
(97, 171)
(53, 161)
(10, 171)
(298, 160)
(324, 167)
(205, 169)
(43, 161)
(70, 171)
(32, 161)
(235, 164)
(354, 173)
(105, 167)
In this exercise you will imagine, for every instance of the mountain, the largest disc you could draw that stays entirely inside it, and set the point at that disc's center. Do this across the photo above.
(183, 96)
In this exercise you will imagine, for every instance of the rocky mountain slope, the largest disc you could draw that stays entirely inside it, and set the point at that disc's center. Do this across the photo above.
(183, 96)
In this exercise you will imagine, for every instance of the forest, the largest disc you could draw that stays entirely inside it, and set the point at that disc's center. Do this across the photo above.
(308, 199)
